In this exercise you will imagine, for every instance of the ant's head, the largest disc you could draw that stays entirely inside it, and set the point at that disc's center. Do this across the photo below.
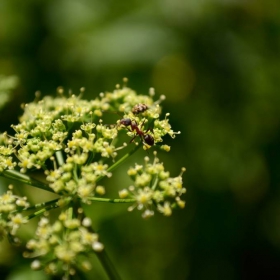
(125, 122)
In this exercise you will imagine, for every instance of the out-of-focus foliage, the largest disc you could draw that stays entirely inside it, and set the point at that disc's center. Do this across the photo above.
(7, 84)
(218, 62)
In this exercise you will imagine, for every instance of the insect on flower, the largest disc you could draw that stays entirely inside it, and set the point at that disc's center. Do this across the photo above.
(139, 108)
(144, 135)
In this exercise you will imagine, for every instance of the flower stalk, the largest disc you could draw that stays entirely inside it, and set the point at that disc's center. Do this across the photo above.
(25, 179)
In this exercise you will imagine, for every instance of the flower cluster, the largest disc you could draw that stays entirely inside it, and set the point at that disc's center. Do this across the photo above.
(153, 187)
(74, 125)
(63, 245)
(63, 181)
(6, 152)
(67, 138)
(10, 217)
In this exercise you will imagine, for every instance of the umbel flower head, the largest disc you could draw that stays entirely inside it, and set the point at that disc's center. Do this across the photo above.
(10, 217)
(62, 245)
(68, 139)
(153, 186)
(75, 126)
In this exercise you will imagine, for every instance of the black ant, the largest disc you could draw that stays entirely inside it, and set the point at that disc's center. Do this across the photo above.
(147, 138)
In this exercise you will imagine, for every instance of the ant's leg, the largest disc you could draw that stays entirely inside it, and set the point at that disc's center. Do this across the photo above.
(150, 129)
(132, 139)
(141, 124)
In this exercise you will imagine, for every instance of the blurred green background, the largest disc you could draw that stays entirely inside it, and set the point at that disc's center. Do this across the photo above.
(218, 63)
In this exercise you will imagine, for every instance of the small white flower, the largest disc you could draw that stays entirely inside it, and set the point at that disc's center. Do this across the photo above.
(97, 246)
(36, 264)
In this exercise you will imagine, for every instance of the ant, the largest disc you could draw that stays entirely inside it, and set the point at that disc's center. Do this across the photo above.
(147, 138)
(139, 108)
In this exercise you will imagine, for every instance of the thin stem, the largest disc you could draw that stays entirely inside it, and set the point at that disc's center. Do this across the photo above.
(91, 157)
(108, 265)
(23, 178)
(112, 200)
(75, 173)
(155, 182)
(39, 205)
(59, 157)
(42, 211)
(69, 213)
(120, 161)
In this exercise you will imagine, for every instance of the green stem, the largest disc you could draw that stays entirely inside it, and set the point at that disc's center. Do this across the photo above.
(112, 200)
(69, 213)
(108, 266)
(23, 178)
(91, 157)
(42, 211)
(40, 205)
(59, 157)
(120, 161)
(155, 183)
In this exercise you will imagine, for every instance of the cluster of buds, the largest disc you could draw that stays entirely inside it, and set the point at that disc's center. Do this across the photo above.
(67, 138)
(153, 186)
(11, 217)
(63, 245)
